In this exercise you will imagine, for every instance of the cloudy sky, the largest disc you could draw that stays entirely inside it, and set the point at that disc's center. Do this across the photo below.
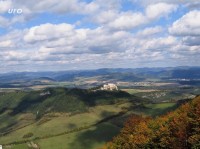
(90, 34)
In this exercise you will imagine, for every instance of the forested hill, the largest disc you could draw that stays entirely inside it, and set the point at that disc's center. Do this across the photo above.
(60, 100)
(176, 130)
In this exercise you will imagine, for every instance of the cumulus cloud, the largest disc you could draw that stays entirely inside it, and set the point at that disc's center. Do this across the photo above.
(150, 31)
(162, 43)
(48, 32)
(188, 25)
(84, 45)
(182, 2)
(6, 44)
(3, 22)
(64, 6)
(191, 41)
(129, 20)
(64, 38)
(5, 6)
(108, 12)
(106, 34)
(105, 17)
(15, 56)
(155, 11)
(187, 28)
(32, 9)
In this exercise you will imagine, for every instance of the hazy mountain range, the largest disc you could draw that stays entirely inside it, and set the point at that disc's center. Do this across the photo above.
(120, 74)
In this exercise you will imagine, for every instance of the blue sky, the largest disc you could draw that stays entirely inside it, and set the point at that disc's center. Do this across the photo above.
(92, 34)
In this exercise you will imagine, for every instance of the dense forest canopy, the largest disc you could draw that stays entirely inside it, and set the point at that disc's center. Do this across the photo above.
(176, 130)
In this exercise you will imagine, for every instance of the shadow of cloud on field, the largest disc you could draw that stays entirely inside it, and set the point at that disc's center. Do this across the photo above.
(91, 138)
(71, 126)
(105, 114)
(10, 122)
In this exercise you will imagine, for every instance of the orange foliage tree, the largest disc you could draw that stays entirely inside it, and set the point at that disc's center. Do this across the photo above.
(176, 130)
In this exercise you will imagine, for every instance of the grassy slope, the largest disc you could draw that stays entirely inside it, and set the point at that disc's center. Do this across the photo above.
(93, 137)
(67, 100)
(64, 123)
(12, 105)
(158, 109)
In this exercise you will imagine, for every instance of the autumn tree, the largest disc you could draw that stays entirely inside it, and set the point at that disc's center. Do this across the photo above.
(176, 130)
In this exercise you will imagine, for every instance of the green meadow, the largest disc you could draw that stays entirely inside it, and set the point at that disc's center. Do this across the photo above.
(89, 125)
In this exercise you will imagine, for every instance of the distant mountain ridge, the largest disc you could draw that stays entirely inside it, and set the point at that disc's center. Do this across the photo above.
(120, 74)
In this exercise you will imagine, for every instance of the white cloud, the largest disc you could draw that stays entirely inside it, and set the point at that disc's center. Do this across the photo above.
(3, 22)
(64, 6)
(105, 35)
(150, 31)
(179, 2)
(158, 10)
(34, 8)
(188, 25)
(191, 41)
(64, 38)
(5, 6)
(48, 32)
(15, 56)
(6, 44)
(104, 17)
(162, 43)
(128, 20)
